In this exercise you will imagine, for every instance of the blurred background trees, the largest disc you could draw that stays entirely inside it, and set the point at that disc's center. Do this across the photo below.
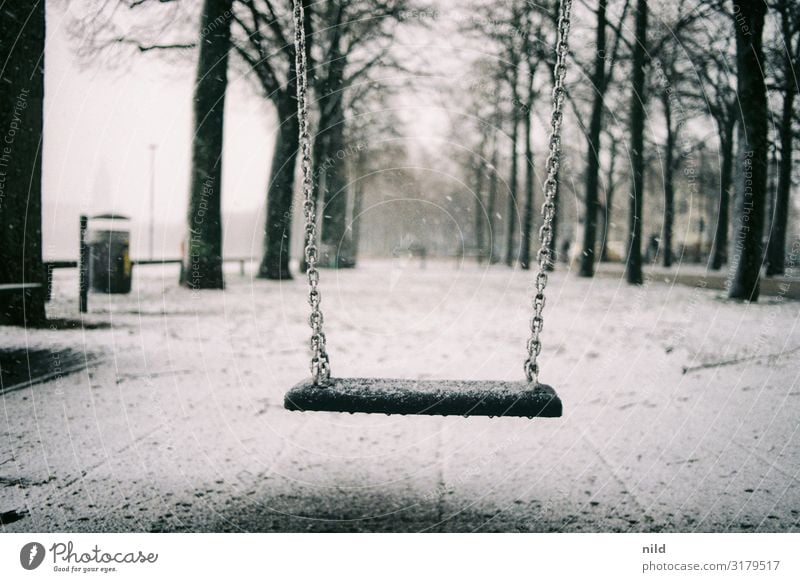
(430, 129)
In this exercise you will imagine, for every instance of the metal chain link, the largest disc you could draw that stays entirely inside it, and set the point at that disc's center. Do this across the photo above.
(320, 365)
(544, 257)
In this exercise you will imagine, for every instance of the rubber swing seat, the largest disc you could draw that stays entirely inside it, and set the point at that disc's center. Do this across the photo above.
(430, 397)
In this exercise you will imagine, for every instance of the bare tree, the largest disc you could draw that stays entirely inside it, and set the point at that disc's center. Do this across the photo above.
(535, 52)
(202, 267)
(669, 78)
(491, 202)
(610, 184)
(263, 39)
(637, 108)
(354, 38)
(593, 138)
(122, 29)
(374, 132)
(751, 176)
(604, 62)
(785, 55)
(712, 51)
(22, 43)
(485, 105)
(514, 57)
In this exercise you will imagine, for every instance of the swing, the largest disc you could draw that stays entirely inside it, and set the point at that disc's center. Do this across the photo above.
(527, 398)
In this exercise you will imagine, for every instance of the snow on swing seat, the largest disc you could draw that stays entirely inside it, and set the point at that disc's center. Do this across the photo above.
(431, 397)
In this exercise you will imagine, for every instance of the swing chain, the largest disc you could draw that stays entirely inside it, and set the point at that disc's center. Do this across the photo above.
(544, 256)
(320, 365)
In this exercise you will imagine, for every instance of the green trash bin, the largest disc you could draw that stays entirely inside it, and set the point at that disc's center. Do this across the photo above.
(109, 242)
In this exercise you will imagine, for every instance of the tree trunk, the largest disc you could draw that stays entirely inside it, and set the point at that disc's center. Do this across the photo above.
(491, 203)
(751, 179)
(275, 263)
(593, 153)
(358, 208)
(720, 253)
(336, 251)
(776, 249)
(479, 207)
(202, 268)
(527, 224)
(336, 248)
(634, 262)
(22, 43)
(512, 215)
(669, 183)
(608, 209)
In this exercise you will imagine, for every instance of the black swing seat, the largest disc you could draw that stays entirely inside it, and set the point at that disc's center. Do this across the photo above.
(431, 397)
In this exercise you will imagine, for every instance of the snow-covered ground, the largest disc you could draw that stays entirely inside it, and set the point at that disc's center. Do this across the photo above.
(177, 423)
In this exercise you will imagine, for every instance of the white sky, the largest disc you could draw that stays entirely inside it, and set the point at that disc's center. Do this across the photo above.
(99, 125)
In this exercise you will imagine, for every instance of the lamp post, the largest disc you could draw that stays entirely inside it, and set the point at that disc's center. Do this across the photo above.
(153, 148)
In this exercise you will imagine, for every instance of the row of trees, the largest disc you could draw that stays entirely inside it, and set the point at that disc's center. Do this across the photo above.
(347, 41)
(657, 80)
(650, 71)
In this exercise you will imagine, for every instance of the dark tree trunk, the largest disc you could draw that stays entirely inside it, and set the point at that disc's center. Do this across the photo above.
(776, 249)
(336, 251)
(280, 191)
(319, 153)
(608, 209)
(491, 204)
(22, 42)
(275, 263)
(320, 160)
(480, 175)
(751, 178)
(719, 255)
(527, 224)
(669, 184)
(634, 262)
(336, 248)
(202, 268)
(511, 214)
(358, 208)
(593, 153)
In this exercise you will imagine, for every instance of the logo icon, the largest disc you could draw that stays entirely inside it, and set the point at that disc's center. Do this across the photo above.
(31, 555)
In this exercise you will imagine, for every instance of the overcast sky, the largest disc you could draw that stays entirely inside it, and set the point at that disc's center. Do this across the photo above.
(99, 125)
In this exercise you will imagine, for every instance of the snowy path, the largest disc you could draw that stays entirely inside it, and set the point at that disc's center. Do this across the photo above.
(177, 424)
